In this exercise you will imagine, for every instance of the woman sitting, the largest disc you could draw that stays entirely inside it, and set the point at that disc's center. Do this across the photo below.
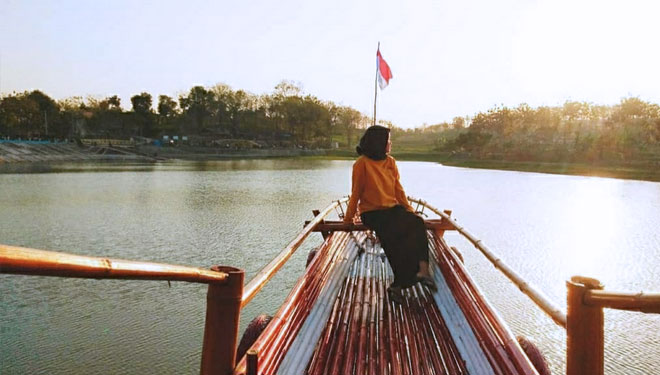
(384, 208)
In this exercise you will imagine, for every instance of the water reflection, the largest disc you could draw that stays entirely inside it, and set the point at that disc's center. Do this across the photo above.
(591, 227)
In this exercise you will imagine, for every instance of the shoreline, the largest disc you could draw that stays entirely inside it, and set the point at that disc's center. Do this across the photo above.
(569, 169)
(640, 172)
(26, 158)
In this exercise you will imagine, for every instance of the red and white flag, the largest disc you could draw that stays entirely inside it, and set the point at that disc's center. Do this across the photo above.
(384, 72)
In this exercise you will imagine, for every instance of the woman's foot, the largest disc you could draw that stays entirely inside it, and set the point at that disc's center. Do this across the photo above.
(394, 292)
(424, 276)
(427, 281)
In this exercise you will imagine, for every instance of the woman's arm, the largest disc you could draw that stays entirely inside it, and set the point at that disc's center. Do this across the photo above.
(356, 190)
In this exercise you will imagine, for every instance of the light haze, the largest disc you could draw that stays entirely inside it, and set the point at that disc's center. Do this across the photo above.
(448, 58)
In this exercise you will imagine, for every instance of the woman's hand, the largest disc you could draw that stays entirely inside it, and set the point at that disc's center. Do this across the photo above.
(355, 220)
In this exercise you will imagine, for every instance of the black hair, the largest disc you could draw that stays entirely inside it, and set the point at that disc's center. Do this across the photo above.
(374, 142)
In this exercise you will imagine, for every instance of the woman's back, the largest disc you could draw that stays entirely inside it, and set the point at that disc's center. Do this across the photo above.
(378, 179)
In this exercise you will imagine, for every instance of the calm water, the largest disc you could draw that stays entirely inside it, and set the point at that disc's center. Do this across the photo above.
(242, 213)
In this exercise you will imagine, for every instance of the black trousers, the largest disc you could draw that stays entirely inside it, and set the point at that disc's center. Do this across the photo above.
(402, 235)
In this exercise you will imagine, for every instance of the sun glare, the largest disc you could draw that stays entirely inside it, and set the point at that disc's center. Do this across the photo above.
(591, 227)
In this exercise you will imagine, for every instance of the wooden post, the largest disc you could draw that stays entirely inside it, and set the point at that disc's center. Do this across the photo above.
(584, 330)
(441, 233)
(324, 233)
(223, 307)
(252, 362)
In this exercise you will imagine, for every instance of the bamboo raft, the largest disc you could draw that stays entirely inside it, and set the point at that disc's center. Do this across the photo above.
(338, 319)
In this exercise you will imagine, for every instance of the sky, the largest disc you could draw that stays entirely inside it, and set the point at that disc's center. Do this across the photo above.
(448, 58)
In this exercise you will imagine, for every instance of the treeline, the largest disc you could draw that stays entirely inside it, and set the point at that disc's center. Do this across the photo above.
(574, 132)
(204, 114)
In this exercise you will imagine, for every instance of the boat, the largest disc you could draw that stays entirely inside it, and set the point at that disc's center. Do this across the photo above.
(338, 319)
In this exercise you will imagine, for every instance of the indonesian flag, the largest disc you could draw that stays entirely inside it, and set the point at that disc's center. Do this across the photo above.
(384, 72)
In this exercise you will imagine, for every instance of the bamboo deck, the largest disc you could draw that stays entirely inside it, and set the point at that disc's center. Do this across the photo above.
(338, 320)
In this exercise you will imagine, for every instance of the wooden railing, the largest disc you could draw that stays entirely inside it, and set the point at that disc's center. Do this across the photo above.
(585, 330)
(25, 261)
(225, 290)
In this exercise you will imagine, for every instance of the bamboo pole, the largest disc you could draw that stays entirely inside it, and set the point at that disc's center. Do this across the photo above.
(223, 309)
(584, 331)
(487, 338)
(273, 343)
(280, 345)
(376, 84)
(535, 295)
(363, 347)
(356, 306)
(372, 352)
(320, 362)
(384, 329)
(642, 302)
(502, 339)
(271, 268)
(26, 261)
(335, 362)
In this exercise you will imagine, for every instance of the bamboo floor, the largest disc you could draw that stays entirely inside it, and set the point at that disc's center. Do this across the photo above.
(338, 320)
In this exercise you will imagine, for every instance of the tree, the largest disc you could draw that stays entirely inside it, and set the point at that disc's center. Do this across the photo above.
(233, 108)
(142, 103)
(631, 108)
(166, 106)
(143, 113)
(72, 117)
(282, 106)
(458, 123)
(314, 121)
(21, 116)
(167, 113)
(349, 120)
(197, 107)
(576, 111)
(114, 103)
(105, 118)
(287, 88)
(48, 108)
(223, 98)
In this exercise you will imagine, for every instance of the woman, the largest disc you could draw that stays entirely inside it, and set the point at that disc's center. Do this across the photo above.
(384, 208)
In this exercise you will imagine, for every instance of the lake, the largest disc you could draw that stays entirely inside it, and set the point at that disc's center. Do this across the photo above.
(243, 212)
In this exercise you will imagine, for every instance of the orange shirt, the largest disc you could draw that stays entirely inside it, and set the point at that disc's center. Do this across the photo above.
(376, 186)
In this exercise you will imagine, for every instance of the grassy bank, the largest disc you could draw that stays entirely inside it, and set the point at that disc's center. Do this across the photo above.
(631, 171)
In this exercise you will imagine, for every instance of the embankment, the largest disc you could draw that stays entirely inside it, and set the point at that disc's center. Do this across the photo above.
(42, 152)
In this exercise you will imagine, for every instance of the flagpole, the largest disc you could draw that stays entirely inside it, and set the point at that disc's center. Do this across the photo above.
(376, 84)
